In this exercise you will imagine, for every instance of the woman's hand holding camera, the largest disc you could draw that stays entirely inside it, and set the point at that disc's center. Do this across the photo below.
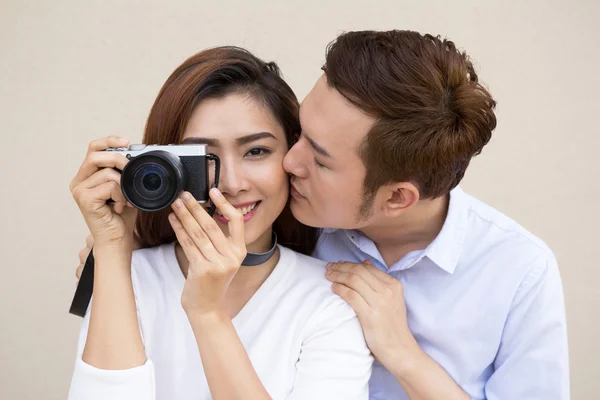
(214, 259)
(114, 340)
(97, 182)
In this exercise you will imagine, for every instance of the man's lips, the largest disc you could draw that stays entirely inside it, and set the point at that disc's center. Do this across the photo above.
(295, 193)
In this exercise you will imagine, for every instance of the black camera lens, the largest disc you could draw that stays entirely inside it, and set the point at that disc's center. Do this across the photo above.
(152, 181)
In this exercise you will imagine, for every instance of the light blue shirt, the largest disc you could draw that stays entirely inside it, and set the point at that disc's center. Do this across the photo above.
(484, 300)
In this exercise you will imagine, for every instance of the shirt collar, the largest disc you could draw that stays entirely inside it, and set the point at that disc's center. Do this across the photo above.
(446, 248)
(328, 230)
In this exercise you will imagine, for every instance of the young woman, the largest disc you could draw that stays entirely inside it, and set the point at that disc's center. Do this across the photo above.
(181, 318)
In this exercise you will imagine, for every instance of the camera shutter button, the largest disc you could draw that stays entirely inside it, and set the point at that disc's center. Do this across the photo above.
(137, 147)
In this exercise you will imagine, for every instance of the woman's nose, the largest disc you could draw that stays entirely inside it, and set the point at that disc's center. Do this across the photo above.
(232, 179)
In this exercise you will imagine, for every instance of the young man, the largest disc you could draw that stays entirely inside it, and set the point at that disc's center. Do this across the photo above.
(387, 134)
(456, 300)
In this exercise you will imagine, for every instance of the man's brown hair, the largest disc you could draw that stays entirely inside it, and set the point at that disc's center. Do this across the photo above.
(432, 114)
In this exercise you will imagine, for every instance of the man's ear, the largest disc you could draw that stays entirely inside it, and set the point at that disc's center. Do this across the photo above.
(400, 197)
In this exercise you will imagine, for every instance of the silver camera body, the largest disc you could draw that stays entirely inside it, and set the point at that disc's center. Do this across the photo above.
(156, 175)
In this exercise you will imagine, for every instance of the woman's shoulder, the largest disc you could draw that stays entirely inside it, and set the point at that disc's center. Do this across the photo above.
(308, 287)
(306, 268)
(307, 277)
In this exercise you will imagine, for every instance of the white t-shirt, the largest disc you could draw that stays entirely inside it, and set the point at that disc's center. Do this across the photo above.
(304, 341)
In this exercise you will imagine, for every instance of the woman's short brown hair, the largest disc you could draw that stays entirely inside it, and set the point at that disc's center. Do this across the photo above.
(216, 73)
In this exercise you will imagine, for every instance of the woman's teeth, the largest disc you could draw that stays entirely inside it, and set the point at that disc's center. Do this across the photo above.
(244, 210)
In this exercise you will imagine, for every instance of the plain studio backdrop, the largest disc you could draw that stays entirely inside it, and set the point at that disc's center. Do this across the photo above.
(72, 71)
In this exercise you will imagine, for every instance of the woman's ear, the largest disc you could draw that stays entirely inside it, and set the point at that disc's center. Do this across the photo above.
(401, 196)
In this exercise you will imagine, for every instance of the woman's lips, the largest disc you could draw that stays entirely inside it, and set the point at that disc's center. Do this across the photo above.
(247, 216)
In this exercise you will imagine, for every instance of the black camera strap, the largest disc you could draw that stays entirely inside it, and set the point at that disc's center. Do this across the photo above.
(83, 293)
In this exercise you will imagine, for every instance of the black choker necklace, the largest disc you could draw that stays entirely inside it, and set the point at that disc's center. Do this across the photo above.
(254, 259)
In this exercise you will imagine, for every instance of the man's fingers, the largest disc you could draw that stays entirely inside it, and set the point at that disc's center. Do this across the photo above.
(379, 274)
(353, 298)
(358, 269)
(107, 142)
(355, 282)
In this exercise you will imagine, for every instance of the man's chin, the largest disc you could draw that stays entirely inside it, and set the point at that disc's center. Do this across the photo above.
(303, 212)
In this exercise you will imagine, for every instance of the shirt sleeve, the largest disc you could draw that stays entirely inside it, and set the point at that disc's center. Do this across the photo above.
(532, 361)
(91, 383)
(334, 362)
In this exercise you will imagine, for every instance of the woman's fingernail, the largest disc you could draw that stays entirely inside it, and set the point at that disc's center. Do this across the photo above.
(178, 203)
(216, 192)
(187, 196)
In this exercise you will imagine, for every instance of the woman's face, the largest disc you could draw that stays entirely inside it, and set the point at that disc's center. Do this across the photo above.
(251, 146)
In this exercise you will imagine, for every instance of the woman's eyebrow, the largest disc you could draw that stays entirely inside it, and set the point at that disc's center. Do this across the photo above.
(253, 137)
(200, 140)
(240, 141)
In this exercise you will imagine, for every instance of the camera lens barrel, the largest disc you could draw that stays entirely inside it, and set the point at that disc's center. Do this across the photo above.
(153, 180)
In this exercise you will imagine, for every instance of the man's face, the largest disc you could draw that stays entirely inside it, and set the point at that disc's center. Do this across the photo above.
(327, 171)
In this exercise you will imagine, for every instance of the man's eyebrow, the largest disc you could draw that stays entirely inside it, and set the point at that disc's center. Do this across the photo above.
(317, 147)
(240, 141)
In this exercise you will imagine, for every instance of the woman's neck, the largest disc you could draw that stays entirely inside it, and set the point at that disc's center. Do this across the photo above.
(248, 279)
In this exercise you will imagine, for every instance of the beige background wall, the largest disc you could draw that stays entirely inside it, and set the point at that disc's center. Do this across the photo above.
(72, 71)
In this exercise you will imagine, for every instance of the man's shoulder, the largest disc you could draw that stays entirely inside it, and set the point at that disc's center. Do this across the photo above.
(490, 228)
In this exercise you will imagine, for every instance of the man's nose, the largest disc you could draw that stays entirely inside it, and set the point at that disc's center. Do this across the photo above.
(293, 162)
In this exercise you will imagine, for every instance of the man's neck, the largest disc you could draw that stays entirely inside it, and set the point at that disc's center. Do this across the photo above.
(414, 230)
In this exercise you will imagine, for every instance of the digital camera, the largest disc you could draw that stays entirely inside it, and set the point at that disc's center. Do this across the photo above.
(156, 175)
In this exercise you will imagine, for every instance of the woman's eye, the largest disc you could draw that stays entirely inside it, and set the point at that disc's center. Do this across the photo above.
(257, 152)
(317, 163)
